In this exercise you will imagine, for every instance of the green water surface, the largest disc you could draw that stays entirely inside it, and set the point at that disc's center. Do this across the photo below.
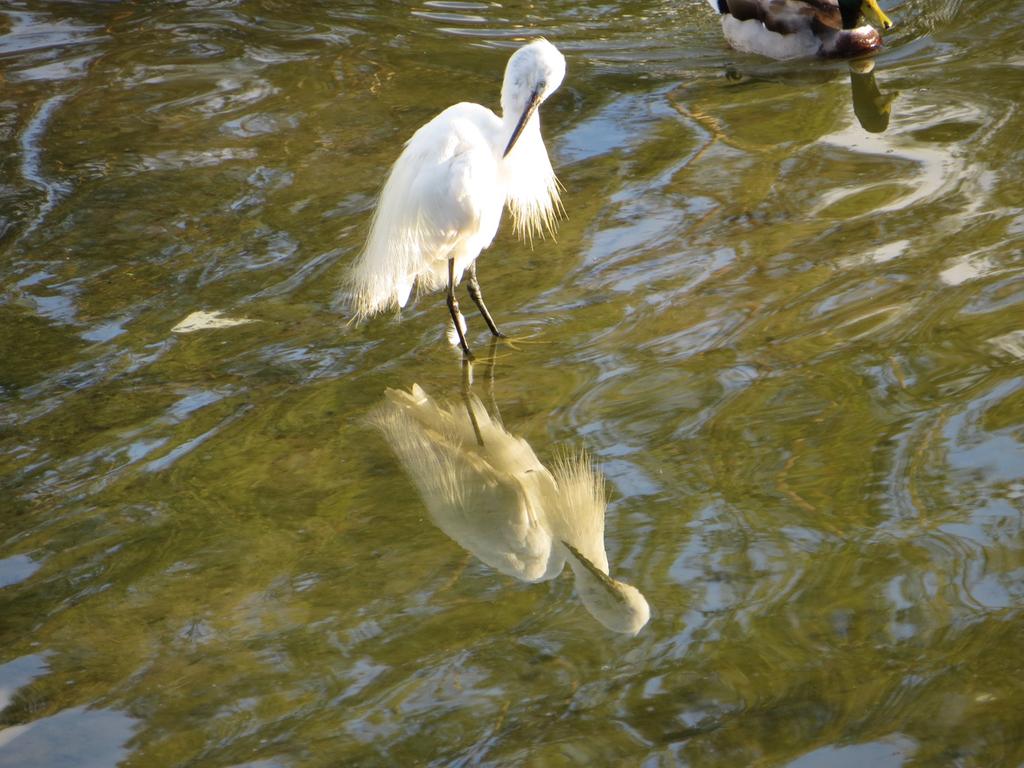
(784, 313)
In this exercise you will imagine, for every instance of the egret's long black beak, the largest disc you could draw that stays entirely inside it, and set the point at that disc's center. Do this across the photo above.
(531, 107)
(603, 578)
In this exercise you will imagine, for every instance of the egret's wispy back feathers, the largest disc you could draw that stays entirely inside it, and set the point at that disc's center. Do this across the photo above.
(384, 273)
(582, 501)
(441, 199)
(533, 192)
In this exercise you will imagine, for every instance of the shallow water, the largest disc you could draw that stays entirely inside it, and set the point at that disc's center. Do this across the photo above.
(786, 323)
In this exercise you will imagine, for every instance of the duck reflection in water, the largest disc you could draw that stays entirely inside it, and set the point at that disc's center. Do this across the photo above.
(870, 105)
(486, 489)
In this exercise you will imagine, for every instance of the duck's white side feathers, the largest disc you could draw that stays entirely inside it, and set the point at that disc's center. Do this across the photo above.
(752, 36)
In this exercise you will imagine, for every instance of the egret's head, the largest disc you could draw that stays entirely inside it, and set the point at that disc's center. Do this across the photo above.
(620, 607)
(533, 73)
(851, 11)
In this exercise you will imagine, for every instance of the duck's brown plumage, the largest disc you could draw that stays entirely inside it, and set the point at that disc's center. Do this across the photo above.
(786, 16)
(839, 36)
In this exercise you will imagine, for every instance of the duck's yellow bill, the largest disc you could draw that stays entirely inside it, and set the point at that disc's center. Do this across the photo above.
(873, 11)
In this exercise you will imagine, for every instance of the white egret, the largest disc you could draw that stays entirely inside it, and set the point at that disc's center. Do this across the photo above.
(789, 29)
(486, 489)
(443, 199)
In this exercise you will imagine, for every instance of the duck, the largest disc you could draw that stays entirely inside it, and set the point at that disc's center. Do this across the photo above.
(485, 488)
(793, 29)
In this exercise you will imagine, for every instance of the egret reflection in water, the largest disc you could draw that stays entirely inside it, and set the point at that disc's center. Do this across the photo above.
(487, 490)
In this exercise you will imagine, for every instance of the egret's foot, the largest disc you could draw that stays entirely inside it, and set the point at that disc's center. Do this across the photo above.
(498, 357)
(486, 356)
(515, 342)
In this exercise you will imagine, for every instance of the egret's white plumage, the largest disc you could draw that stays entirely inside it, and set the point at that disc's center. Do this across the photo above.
(487, 490)
(444, 197)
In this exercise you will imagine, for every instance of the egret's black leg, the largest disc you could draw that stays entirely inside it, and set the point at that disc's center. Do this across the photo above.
(467, 384)
(474, 293)
(490, 379)
(453, 308)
